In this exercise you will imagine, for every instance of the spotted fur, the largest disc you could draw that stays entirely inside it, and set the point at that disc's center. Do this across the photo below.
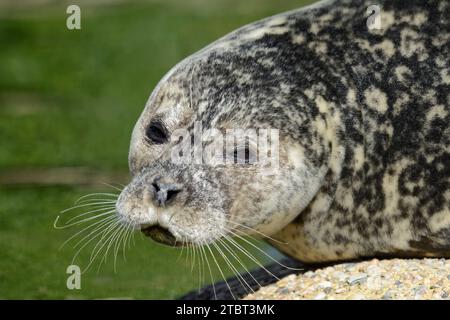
(364, 133)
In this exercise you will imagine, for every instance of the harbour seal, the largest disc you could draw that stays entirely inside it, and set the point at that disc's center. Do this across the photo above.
(363, 118)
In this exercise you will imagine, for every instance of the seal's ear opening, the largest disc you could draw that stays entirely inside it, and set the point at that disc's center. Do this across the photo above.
(156, 133)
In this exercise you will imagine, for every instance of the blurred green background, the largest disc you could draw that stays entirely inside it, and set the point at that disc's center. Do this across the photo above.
(68, 103)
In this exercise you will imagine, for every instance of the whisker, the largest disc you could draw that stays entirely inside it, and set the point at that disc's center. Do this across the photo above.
(109, 234)
(210, 272)
(86, 205)
(128, 232)
(249, 236)
(86, 213)
(110, 242)
(107, 195)
(114, 187)
(250, 256)
(263, 252)
(181, 251)
(258, 232)
(233, 269)
(101, 229)
(199, 258)
(203, 257)
(238, 259)
(105, 227)
(193, 258)
(81, 221)
(220, 270)
(187, 253)
(104, 220)
(131, 236)
(96, 200)
(117, 244)
(127, 235)
(106, 234)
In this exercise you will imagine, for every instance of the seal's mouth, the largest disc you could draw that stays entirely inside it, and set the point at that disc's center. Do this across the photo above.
(161, 235)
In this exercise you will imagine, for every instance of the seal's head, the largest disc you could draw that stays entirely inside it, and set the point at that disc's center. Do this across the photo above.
(219, 91)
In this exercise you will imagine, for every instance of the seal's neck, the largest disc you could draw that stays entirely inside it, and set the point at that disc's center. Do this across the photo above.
(331, 128)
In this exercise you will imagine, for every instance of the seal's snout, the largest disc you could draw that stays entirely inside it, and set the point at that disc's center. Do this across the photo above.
(164, 193)
(160, 234)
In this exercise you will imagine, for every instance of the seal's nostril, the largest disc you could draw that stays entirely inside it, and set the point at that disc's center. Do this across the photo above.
(171, 194)
(155, 185)
(164, 192)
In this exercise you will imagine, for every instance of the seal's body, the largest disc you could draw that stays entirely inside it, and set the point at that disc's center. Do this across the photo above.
(363, 117)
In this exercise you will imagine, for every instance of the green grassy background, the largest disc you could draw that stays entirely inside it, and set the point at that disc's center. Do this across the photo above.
(70, 99)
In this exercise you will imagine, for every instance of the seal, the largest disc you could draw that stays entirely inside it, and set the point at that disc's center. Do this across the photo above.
(363, 118)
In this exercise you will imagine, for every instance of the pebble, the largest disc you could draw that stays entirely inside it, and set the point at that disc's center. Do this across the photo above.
(283, 291)
(341, 276)
(357, 278)
(387, 295)
(419, 292)
(358, 296)
(374, 279)
(320, 296)
(325, 284)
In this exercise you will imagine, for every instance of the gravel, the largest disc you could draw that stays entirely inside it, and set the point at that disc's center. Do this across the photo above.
(417, 279)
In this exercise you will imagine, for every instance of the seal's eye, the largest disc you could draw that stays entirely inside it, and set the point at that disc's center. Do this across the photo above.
(156, 133)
